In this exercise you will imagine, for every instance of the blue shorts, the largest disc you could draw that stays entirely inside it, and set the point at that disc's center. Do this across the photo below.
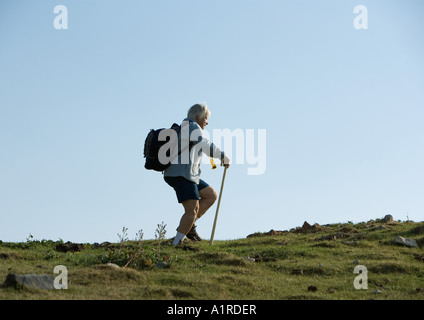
(186, 189)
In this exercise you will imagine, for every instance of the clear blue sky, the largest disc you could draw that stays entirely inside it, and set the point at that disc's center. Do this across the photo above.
(343, 111)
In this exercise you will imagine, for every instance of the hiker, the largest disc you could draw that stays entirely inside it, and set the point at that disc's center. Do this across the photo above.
(183, 175)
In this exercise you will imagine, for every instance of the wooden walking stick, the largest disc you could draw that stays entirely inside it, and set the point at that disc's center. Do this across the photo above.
(217, 208)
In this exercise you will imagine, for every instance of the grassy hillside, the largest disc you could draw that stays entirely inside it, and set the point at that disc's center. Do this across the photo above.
(313, 262)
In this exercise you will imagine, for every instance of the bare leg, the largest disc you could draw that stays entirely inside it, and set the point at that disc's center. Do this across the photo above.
(194, 209)
(191, 210)
(208, 197)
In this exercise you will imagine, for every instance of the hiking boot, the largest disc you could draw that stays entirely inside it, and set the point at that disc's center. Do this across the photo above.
(192, 234)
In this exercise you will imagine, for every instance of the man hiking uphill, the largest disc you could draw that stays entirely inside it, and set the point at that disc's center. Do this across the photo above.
(193, 193)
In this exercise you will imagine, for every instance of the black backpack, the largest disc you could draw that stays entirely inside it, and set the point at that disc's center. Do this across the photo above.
(152, 146)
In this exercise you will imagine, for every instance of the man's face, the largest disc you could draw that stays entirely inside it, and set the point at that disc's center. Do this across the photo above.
(202, 122)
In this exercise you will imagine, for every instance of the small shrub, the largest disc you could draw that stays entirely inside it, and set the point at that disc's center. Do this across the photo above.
(138, 254)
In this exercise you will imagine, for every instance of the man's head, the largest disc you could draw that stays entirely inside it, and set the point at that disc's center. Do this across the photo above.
(200, 113)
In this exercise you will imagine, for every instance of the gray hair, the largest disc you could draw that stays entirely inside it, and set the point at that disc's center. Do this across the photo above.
(198, 110)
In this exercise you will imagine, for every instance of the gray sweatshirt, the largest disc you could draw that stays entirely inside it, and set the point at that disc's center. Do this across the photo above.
(191, 148)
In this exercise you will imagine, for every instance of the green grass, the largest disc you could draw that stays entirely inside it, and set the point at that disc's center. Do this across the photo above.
(289, 264)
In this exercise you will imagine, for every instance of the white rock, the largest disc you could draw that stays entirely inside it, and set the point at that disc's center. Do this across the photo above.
(407, 242)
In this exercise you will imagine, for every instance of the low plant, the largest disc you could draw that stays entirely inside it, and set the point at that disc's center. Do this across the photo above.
(138, 254)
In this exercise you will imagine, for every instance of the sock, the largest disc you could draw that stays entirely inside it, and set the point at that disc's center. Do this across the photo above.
(180, 236)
